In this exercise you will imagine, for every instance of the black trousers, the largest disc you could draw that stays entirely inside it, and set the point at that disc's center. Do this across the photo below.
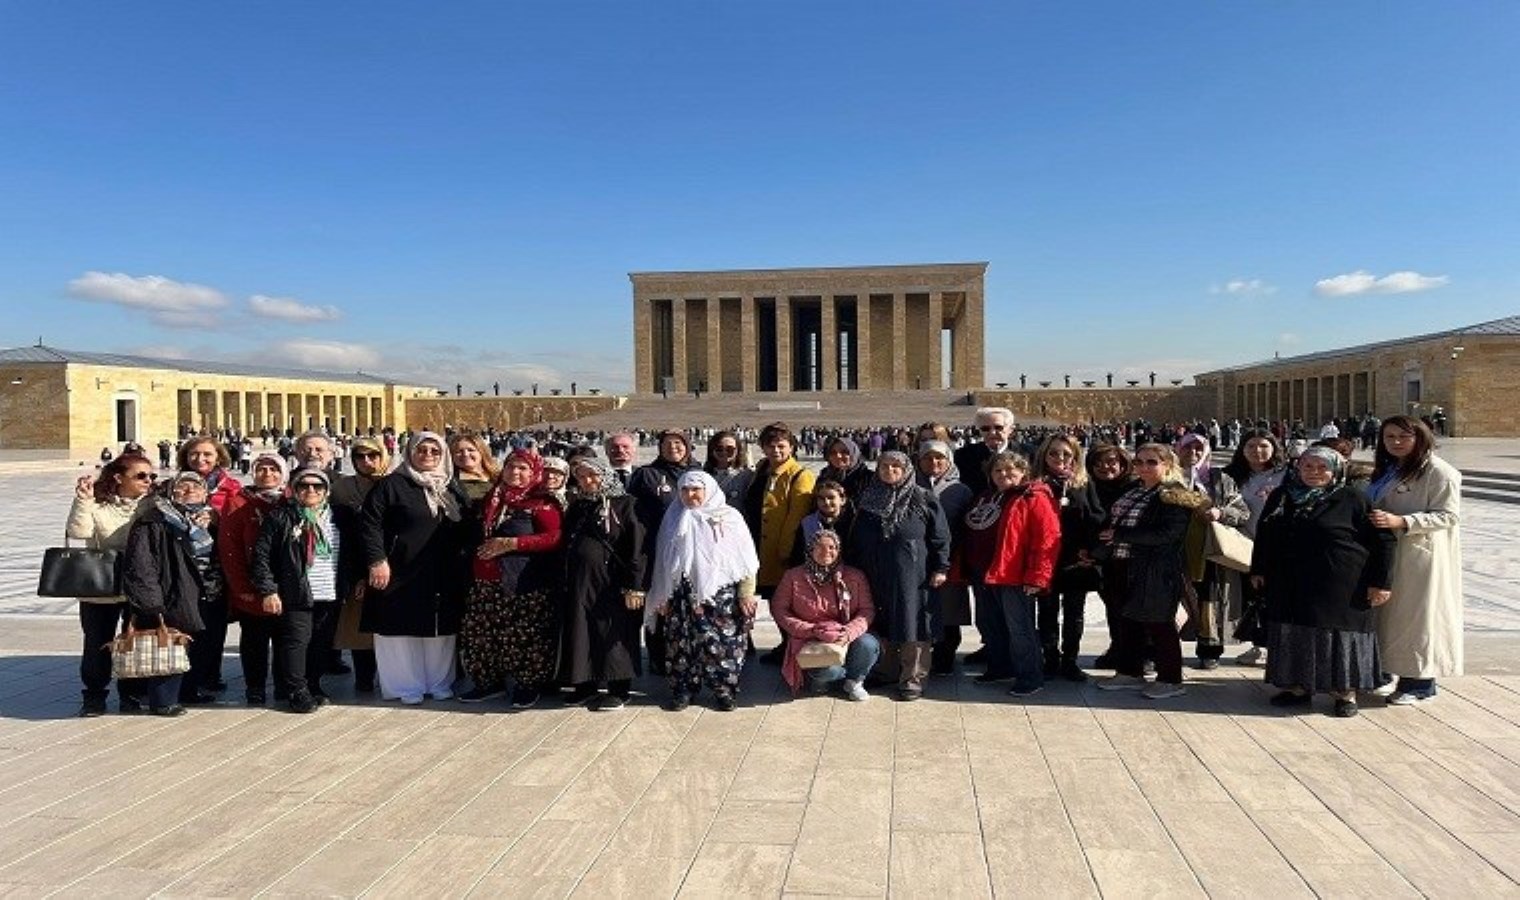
(1061, 620)
(206, 651)
(320, 652)
(101, 622)
(290, 635)
(1156, 639)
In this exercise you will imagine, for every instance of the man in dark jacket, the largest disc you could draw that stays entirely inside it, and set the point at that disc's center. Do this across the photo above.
(995, 424)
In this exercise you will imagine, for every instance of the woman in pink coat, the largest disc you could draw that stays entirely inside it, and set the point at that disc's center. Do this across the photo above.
(825, 600)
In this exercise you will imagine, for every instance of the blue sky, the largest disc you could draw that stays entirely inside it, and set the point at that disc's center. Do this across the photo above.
(459, 190)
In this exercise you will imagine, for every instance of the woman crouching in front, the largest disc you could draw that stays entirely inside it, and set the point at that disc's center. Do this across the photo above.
(825, 601)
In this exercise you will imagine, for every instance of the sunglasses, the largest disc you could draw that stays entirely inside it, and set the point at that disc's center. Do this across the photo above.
(366, 454)
(311, 486)
(725, 449)
(144, 476)
(992, 428)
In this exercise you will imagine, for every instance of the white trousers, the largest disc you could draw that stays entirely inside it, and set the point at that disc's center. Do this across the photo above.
(410, 667)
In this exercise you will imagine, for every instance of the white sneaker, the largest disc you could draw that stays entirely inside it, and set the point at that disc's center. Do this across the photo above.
(1256, 656)
(411, 701)
(1160, 690)
(854, 690)
(1121, 683)
(1387, 688)
(1410, 699)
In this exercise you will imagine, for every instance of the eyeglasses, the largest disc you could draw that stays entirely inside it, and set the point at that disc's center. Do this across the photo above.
(1148, 463)
(428, 450)
(725, 448)
(311, 486)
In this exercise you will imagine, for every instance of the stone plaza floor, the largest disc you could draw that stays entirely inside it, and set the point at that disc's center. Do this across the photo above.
(1072, 792)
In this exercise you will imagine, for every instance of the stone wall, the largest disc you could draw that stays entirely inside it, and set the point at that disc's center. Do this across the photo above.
(1488, 375)
(1170, 404)
(34, 407)
(476, 413)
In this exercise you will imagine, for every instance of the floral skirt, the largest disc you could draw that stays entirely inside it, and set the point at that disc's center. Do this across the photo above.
(509, 636)
(705, 643)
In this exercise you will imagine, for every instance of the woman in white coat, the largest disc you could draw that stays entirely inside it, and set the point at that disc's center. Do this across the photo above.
(1418, 496)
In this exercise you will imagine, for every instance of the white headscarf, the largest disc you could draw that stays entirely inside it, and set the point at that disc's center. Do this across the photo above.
(709, 546)
(434, 484)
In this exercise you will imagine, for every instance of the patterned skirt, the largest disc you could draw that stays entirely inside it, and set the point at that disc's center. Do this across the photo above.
(1321, 659)
(509, 636)
(705, 642)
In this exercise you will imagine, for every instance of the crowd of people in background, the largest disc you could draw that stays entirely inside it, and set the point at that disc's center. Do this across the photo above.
(546, 566)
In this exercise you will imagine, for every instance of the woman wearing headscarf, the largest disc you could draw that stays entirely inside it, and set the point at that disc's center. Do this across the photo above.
(556, 477)
(653, 488)
(902, 542)
(1258, 467)
(168, 573)
(1324, 567)
(371, 462)
(295, 572)
(101, 516)
(257, 629)
(825, 600)
(1008, 549)
(728, 464)
(1216, 587)
(1417, 496)
(604, 578)
(414, 541)
(703, 585)
(845, 466)
(1144, 569)
(1058, 463)
(937, 472)
(511, 625)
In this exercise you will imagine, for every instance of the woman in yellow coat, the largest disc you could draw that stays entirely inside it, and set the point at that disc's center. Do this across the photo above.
(779, 497)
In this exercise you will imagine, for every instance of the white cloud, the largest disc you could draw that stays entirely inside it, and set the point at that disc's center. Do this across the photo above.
(1244, 287)
(334, 356)
(175, 304)
(290, 309)
(1364, 282)
(1287, 339)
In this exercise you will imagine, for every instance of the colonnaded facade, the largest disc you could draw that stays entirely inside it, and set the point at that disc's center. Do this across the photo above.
(819, 329)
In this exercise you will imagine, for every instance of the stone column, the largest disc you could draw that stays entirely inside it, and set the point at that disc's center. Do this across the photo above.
(973, 320)
(643, 347)
(783, 343)
(747, 349)
(936, 326)
(828, 344)
(899, 341)
(714, 344)
(862, 359)
(678, 344)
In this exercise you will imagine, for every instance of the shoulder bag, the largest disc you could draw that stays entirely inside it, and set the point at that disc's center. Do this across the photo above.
(1228, 547)
(822, 654)
(79, 572)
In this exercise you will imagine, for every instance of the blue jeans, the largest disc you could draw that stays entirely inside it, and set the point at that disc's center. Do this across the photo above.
(1013, 641)
(162, 691)
(859, 659)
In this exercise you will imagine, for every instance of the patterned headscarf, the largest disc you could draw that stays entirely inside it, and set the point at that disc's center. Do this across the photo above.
(1301, 497)
(892, 503)
(504, 497)
(435, 483)
(952, 474)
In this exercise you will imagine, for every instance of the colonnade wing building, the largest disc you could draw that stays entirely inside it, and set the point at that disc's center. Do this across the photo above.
(853, 328)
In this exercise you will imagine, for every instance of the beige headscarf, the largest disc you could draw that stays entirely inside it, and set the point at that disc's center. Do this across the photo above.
(434, 484)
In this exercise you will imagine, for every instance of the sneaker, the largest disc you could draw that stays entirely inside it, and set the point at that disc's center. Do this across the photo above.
(1345, 709)
(609, 703)
(1027, 691)
(993, 678)
(1256, 656)
(443, 695)
(524, 698)
(1411, 698)
(909, 694)
(1291, 698)
(725, 703)
(1121, 683)
(854, 690)
(482, 694)
(411, 701)
(1160, 690)
(1387, 688)
(579, 696)
(678, 702)
(92, 707)
(1072, 672)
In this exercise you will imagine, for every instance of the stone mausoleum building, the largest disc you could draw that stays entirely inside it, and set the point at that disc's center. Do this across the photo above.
(856, 328)
(1470, 373)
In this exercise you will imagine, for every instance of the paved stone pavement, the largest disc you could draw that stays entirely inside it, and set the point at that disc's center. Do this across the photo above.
(1073, 792)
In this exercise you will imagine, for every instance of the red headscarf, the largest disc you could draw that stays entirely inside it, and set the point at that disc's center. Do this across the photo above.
(504, 498)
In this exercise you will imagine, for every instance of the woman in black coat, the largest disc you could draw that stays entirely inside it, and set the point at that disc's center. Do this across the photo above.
(1062, 612)
(902, 542)
(1141, 545)
(169, 571)
(415, 542)
(605, 568)
(1323, 568)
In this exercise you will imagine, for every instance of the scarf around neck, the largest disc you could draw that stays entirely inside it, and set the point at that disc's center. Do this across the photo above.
(892, 503)
(314, 535)
(184, 521)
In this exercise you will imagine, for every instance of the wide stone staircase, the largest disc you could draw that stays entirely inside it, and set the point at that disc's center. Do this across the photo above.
(1500, 487)
(798, 408)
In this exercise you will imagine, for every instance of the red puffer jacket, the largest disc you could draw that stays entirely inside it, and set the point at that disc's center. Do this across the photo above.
(1028, 541)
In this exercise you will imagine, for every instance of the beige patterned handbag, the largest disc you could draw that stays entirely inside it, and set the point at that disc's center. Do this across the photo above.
(150, 653)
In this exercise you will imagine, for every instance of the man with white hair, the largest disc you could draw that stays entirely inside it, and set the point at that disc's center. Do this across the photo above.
(995, 423)
(315, 448)
(621, 448)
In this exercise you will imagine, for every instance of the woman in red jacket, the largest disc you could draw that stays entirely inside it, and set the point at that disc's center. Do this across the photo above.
(1011, 540)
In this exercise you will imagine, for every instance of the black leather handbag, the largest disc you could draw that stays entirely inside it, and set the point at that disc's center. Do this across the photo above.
(79, 572)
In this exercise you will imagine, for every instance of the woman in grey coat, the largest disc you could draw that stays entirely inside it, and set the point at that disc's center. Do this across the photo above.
(1217, 588)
